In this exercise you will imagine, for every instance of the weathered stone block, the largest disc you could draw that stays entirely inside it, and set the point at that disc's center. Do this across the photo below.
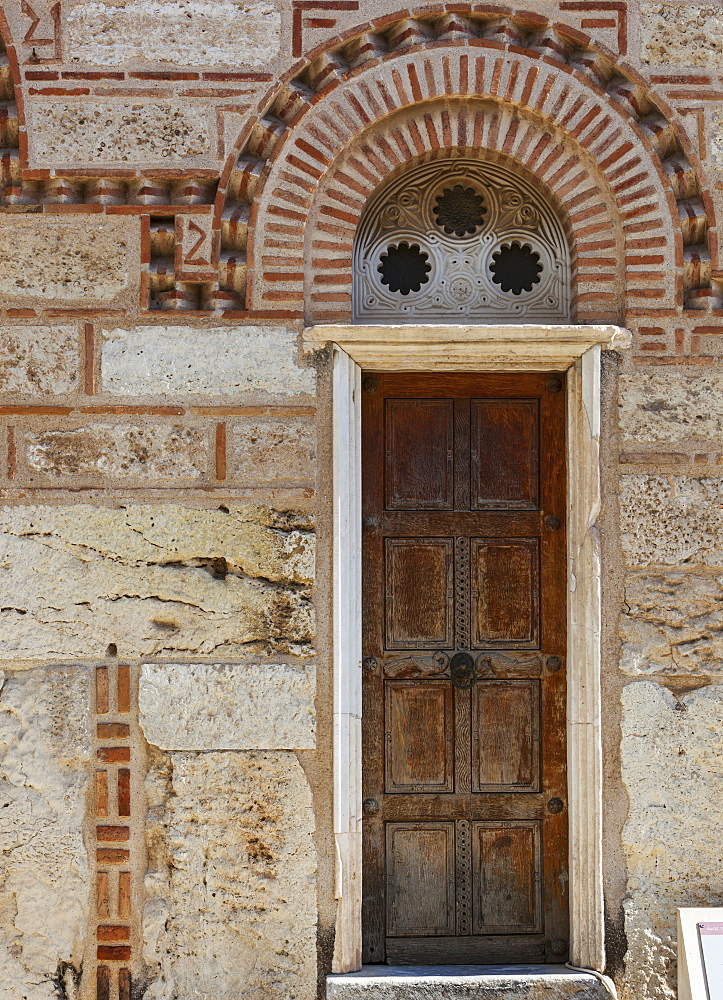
(239, 706)
(672, 622)
(267, 449)
(154, 452)
(82, 262)
(230, 889)
(223, 361)
(154, 580)
(39, 360)
(670, 407)
(140, 133)
(715, 133)
(682, 34)
(672, 757)
(44, 876)
(180, 32)
(671, 520)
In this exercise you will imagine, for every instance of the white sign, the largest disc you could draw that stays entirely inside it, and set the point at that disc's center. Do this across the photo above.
(711, 947)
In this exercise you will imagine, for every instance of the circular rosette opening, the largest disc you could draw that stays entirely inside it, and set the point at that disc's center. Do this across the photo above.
(516, 268)
(459, 210)
(404, 267)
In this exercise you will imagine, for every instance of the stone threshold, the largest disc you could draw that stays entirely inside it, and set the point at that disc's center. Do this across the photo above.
(465, 982)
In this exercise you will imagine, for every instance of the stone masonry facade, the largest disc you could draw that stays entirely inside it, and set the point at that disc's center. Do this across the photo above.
(180, 187)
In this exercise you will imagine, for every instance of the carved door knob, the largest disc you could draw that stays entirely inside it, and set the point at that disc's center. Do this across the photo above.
(370, 807)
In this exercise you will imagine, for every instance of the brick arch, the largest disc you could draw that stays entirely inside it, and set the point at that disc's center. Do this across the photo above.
(545, 158)
(519, 59)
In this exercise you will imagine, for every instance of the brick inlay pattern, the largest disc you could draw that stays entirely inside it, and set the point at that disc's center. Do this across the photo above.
(114, 850)
(547, 71)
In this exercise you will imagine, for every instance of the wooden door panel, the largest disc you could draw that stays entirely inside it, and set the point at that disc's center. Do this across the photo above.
(419, 736)
(419, 454)
(505, 592)
(418, 576)
(504, 454)
(494, 949)
(420, 868)
(464, 782)
(506, 736)
(506, 877)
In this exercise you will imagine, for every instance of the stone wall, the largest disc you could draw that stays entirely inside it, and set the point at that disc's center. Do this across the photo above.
(179, 188)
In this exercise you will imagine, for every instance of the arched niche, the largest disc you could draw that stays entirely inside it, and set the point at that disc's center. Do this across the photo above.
(460, 240)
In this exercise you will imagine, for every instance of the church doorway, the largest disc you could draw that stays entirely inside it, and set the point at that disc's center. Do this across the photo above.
(465, 825)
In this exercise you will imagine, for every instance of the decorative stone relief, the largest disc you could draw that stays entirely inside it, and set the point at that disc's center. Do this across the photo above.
(463, 240)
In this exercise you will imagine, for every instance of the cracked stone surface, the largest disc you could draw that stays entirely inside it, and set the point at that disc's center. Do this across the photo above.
(39, 360)
(671, 407)
(44, 873)
(155, 579)
(180, 32)
(682, 34)
(117, 451)
(167, 360)
(46, 259)
(241, 706)
(672, 760)
(672, 622)
(672, 520)
(119, 133)
(230, 888)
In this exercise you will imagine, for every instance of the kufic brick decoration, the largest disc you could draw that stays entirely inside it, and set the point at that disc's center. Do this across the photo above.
(551, 71)
(619, 20)
(113, 814)
(43, 40)
(301, 20)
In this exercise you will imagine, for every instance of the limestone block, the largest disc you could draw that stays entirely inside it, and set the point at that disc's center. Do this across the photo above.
(39, 360)
(670, 407)
(672, 760)
(153, 452)
(181, 32)
(154, 580)
(230, 889)
(44, 872)
(672, 520)
(267, 449)
(681, 34)
(672, 622)
(442, 982)
(138, 132)
(81, 262)
(715, 133)
(241, 706)
(222, 361)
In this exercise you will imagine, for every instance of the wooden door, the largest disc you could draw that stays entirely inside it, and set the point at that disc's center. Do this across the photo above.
(464, 556)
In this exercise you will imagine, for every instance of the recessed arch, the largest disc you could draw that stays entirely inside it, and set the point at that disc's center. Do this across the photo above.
(475, 130)
(520, 60)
